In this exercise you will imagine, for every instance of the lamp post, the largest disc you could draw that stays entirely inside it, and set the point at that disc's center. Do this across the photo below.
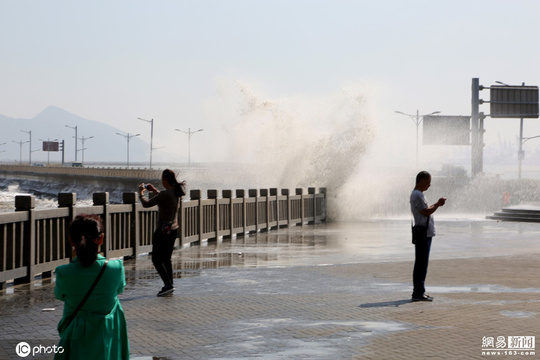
(151, 137)
(522, 140)
(521, 153)
(29, 146)
(48, 150)
(189, 133)
(83, 140)
(417, 119)
(21, 143)
(75, 128)
(128, 138)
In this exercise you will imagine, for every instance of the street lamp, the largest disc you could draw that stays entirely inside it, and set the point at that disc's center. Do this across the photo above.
(83, 140)
(48, 150)
(522, 140)
(417, 119)
(189, 133)
(29, 146)
(21, 143)
(128, 139)
(151, 137)
(75, 128)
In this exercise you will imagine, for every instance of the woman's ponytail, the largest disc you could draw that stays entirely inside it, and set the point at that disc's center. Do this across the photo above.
(85, 232)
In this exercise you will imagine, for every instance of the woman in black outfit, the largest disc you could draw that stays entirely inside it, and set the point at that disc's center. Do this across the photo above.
(168, 202)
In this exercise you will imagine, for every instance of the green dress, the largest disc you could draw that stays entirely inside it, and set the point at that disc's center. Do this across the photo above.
(99, 330)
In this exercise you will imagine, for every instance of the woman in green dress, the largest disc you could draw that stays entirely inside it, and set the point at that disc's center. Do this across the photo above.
(99, 330)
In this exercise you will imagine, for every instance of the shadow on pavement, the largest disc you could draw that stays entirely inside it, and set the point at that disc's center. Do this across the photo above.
(396, 303)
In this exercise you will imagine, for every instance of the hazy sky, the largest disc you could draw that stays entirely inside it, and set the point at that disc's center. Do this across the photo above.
(115, 61)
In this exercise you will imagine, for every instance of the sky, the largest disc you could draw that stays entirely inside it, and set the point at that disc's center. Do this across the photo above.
(187, 64)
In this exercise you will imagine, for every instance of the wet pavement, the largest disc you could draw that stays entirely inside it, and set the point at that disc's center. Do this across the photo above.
(330, 291)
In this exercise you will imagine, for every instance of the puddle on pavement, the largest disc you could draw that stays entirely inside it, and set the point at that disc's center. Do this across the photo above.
(307, 339)
(481, 289)
(518, 314)
(367, 241)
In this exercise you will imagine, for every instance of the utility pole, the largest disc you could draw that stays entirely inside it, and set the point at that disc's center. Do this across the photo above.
(477, 125)
(30, 146)
(75, 128)
(128, 139)
(417, 119)
(83, 140)
(21, 143)
(189, 133)
(151, 137)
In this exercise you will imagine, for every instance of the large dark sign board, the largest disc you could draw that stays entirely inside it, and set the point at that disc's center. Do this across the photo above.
(50, 146)
(447, 130)
(514, 101)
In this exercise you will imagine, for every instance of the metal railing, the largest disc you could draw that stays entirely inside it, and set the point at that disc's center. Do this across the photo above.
(34, 242)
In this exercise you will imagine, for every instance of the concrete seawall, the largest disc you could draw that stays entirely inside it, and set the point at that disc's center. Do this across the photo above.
(73, 173)
(49, 181)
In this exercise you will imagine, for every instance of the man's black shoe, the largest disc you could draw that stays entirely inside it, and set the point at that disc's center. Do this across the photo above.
(165, 291)
(422, 298)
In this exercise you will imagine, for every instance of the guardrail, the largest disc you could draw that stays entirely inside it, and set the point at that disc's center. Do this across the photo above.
(34, 242)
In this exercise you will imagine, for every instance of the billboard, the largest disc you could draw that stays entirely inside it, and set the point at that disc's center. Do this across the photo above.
(50, 146)
(514, 101)
(447, 130)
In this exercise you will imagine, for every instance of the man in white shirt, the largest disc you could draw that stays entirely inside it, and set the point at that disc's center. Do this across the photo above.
(422, 213)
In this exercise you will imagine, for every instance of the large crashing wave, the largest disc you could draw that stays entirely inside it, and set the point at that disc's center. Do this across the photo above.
(299, 141)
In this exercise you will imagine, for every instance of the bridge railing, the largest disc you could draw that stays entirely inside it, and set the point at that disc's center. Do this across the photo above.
(34, 242)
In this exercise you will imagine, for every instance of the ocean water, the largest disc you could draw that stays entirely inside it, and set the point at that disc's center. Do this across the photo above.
(12, 189)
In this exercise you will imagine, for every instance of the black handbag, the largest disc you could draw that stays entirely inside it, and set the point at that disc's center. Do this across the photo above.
(419, 232)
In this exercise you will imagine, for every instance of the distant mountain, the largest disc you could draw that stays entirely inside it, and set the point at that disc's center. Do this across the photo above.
(51, 123)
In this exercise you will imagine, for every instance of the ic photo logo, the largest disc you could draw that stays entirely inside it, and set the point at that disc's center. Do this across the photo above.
(23, 349)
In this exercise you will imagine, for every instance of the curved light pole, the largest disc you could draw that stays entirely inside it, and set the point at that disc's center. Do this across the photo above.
(1, 145)
(417, 119)
(151, 137)
(522, 140)
(29, 146)
(21, 143)
(128, 139)
(83, 140)
(189, 133)
(74, 128)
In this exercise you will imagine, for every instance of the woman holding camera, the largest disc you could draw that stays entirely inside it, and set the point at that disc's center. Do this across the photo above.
(168, 202)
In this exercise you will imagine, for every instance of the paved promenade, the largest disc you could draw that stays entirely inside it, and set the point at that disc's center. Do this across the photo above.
(331, 291)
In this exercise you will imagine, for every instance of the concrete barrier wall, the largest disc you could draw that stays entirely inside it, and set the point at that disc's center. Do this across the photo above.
(81, 171)
(34, 242)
